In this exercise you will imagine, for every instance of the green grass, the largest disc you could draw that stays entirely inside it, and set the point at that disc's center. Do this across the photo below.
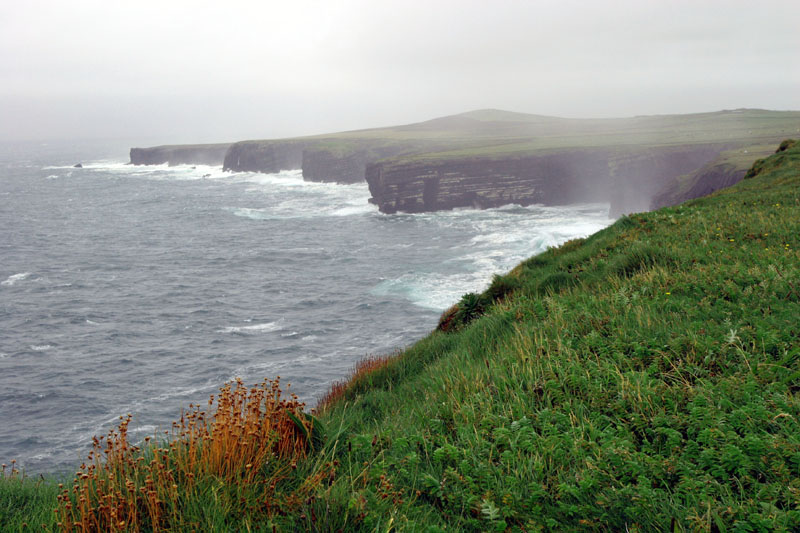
(491, 133)
(27, 504)
(646, 378)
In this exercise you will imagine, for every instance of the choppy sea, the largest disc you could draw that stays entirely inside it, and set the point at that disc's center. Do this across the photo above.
(142, 289)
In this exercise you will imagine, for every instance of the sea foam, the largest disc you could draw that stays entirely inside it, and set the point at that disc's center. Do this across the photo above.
(11, 280)
(255, 328)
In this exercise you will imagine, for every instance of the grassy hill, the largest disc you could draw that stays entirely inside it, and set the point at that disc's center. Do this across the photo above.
(643, 379)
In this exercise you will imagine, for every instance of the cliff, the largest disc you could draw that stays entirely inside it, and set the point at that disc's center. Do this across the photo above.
(347, 162)
(425, 185)
(264, 156)
(324, 165)
(637, 175)
(488, 158)
(725, 170)
(624, 177)
(189, 154)
(324, 158)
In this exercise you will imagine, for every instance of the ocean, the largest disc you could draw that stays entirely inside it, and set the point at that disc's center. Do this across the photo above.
(143, 289)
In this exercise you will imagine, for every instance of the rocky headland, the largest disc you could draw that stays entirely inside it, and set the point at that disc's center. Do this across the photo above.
(188, 154)
(490, 158)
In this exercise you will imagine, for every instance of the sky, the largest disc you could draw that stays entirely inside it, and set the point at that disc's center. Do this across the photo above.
(196, 71)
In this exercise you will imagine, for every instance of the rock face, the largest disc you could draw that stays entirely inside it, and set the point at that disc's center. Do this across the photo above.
(322, 165)
(264, 156)
(626, 179)
(727, 169)
(638, 175)
(320, 159)
(190, 154)
(558, 178)
(489, 157)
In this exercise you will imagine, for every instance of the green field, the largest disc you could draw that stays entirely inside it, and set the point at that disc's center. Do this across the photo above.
(495, 133)
(646, 378)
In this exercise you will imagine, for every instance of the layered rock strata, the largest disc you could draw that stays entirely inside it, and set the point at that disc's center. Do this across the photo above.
(265, 156)
(626, 178)
(432, 185)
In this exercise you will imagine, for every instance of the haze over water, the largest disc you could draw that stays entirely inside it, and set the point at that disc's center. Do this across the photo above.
(141, 290)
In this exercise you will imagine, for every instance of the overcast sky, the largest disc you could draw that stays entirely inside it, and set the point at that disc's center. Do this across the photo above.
(218, 71)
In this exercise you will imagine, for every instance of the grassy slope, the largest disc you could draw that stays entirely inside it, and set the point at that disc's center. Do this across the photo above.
(644, 378)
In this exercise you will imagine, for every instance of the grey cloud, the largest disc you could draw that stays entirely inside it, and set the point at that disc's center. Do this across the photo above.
(203, 71)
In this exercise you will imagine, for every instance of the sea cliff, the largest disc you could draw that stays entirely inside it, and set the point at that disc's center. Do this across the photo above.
(625, 177)
(189, 154)
(726, 169)
(489, 158)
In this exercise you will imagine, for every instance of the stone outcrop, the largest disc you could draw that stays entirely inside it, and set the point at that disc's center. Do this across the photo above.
(189, 154)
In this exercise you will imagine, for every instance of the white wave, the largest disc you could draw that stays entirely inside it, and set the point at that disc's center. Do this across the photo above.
(255, 328)
(41, 347)
(431, 291)
(502, 238)
(354, 210)
(251, 213)
(158, 172)
(289, 197)
(11, 280)
(52, 177)
(40, 456)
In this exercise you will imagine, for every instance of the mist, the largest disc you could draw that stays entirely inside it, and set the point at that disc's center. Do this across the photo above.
(201, 72)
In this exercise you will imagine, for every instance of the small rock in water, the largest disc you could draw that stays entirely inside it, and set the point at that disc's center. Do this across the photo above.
(77, 165)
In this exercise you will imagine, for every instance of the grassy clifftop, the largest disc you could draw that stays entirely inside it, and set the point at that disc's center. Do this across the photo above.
(643, 379)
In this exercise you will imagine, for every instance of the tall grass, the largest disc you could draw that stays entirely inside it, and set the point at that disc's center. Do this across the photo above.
(245, 451)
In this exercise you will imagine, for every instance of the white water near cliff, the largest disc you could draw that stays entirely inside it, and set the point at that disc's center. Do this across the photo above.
(128, 289)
